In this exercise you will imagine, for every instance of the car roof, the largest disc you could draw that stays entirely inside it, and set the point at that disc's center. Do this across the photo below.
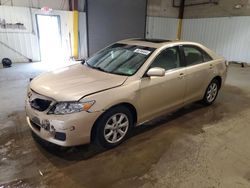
(159, 43)
(153, 43)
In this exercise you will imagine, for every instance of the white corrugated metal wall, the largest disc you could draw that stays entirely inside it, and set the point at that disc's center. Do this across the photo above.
(21, 40)
(159, 27)
(25, 41)
(228, 36)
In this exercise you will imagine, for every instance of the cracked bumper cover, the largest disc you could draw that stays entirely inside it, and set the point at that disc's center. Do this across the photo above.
(76, 127)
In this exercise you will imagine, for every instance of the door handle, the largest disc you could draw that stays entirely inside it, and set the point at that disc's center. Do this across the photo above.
(211, 66)
(181, 76)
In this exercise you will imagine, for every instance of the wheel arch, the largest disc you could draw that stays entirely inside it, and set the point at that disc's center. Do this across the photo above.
(129, 106)
(219, 79)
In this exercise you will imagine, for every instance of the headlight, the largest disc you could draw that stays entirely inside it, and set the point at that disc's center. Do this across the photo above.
(70, 107)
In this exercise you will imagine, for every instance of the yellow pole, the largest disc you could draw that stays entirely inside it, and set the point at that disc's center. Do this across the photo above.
(179, 30)
(75, 34)
(181, 13)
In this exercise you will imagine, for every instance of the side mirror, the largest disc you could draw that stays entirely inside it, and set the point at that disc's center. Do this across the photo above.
(156, 71)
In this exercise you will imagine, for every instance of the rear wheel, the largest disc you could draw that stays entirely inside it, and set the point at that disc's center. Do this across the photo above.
(113, 127)
(211, 92)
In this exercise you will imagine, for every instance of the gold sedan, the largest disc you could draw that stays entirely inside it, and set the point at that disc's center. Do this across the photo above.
(130, 82)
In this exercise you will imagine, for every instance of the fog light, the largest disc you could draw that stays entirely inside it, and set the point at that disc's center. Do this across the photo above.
(60, 136)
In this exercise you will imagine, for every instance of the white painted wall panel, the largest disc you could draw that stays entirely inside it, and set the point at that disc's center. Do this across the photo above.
(228, 36)
(66, 20)
(54, 4)
(162, 28)
(26, 41)
(21, 40)
(82, 36)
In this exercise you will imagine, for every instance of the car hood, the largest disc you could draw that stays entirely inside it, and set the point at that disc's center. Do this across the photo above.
(74, 82)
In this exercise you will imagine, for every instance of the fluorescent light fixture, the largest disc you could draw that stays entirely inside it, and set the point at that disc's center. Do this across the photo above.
(238, 6)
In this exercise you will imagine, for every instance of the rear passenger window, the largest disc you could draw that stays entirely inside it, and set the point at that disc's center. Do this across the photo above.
(193, 56)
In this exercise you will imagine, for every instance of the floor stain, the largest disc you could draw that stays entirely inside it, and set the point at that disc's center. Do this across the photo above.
(194, 146)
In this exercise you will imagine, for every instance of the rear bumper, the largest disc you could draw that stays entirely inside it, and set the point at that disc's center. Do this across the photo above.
(224, 76)
(63, 130)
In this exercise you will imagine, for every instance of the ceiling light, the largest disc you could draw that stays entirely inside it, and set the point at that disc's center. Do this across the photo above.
(238, 6)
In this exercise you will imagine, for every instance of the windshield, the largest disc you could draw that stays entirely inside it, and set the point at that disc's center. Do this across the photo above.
(120, 59)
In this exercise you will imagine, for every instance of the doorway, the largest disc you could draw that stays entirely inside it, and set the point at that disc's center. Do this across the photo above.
(49, 32)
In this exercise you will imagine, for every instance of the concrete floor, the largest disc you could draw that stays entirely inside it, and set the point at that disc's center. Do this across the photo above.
(194, 147)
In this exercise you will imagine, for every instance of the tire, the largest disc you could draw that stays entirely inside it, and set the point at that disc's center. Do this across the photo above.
(113, 127)
(6, 62)
(211, 92)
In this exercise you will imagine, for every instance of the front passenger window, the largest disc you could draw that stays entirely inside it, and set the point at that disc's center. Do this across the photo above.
(167, 59)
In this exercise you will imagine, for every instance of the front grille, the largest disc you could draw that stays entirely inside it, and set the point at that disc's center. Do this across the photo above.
(40, 104)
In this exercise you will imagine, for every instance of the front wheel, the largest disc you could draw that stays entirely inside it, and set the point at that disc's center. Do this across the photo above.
(211, 92)
(113, 127)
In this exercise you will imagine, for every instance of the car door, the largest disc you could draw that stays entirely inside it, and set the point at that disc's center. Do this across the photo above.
(198, 72)
(160, 94)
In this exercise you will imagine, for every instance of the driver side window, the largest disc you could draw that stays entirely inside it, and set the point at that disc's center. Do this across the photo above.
(168, 59)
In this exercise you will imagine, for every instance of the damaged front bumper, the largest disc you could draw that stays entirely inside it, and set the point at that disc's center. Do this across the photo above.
(64, 130)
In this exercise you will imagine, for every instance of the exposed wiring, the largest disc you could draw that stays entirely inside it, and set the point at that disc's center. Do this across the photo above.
(65, 1)
(31, 4)
(62, 5)
(32, 24)
(38, 4)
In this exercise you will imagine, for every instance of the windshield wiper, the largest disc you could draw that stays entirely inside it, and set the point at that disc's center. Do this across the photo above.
(100, 69)
(122, 74)
(86, 62)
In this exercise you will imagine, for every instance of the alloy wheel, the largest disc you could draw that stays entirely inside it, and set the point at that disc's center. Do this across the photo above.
(212, 92)
(116, 128)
